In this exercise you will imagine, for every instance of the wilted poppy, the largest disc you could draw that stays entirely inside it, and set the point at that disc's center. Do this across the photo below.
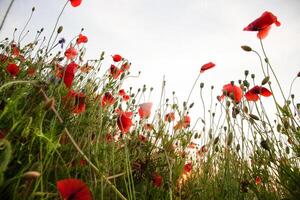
(107, 99)
(252, 94)
(115, 71)
(263, 24)
(207, 66)
(124, 121)
(75, 3)
(145, 110)
(116, 58)
(71, 53)
(79, 106)
(73, 189)
(70, 74)
(81, 39)
(232, 91)
(157, 179)
(170, 117)
(188, 167)
(183, 123)
(13, 69)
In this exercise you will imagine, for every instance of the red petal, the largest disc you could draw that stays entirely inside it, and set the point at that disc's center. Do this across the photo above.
(207, 66)
(13, 69)
(250, 96)
(265, 92)
(70, 73)
(262, 34)
(73, 189)
(75, 3)
(117, 58)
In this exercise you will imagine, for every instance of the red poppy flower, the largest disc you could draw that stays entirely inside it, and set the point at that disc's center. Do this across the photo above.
(183, 123)
(257, 180)
(124, 121)
(252, 94)
(122, 92)
(188, 167)
(157, 179)
(81, 39)
(142, 138)
(15, 50)
(79, 106)
(71, 53)
(116, 58)
(13, 69)
(232, 91)
(145, 110)
(75, 3)
(207, 66)
(115, 71)
(73, 189)
(107, 99)
(31, 71)
(263, 24)
(126, 97)
(170, 117)
(125, 66)
(3, 58)
(70, 74)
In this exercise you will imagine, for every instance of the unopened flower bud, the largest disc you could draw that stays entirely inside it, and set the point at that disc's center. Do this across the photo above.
(60, 29)
(246, 48)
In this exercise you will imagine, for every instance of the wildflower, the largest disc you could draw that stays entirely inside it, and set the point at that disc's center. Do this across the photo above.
(70, 74)
(73, 189)
(125, 66)
(252, 94)
(15, 50)
(122, 92)
(59, 71)
(61, 42)
(75, 3)
(124, 121)
(116, 58)
(157, 179)
(188, 167)
(13, 69)
(170, 117)
(71, 53)
(257, 180)
(3, 58)
(232, 91)
(81, 39)
(207, 66)
(145, 110)
(263, 24)
(107, 99)
(183, 123)
(79, 103)
(115, 71)
(142, 138)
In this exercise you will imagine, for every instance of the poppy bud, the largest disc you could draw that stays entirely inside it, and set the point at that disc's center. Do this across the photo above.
(265, 80)
(292, 96)
(298, 75)
(253, 76)
(60, 29)
(201, 85)
(246, 48)
(266, 60)
(33, 9)
(254, 117)
(246, 72)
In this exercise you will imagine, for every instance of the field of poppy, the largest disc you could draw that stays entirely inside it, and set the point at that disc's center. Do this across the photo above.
(70, 130)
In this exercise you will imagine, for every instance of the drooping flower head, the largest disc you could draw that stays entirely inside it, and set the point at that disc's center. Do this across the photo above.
(263, 24)
(170, 117)
(207, 66)
(232, 91)
(252, 94)
(70, 74)
(73, 189)
(75, 3)
(145, 110)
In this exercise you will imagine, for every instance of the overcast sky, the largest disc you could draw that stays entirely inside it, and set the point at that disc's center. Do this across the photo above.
(175, 37)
